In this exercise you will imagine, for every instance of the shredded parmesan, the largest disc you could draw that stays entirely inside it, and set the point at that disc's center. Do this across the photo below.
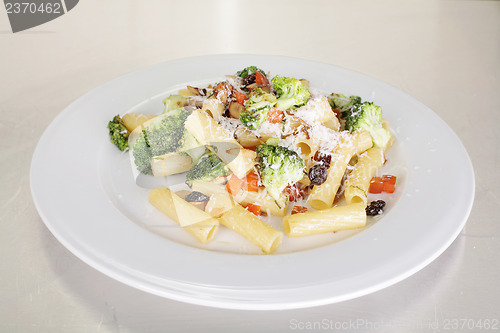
(268, 129)
(327, 139)
(229, 124)
(310, 112)
(236, 82)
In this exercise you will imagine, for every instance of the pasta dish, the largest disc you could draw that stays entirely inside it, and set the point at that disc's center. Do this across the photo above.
(255, 145)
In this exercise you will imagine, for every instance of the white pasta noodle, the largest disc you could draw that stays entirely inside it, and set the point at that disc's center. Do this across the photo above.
(252, 228)
(337, 218)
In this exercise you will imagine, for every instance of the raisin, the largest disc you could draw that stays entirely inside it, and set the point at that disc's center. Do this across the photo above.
(375, 208)
(196, 197)
(318, 174)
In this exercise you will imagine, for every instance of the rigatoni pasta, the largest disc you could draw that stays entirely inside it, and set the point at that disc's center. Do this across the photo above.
(213, 107)
(333, 219)
(252, 228)
(358, 182)
(197, 222)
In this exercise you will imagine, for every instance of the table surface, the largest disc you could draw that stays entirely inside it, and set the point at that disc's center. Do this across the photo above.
(444, 53)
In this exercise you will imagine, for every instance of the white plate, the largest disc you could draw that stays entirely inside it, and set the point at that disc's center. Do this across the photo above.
(84, 190)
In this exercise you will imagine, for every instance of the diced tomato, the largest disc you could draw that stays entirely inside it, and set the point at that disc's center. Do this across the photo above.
(299, 209)
(376, 185)
(275, 115)
(255, 209)
(388, 188)
(389, 183)
(252, 182)
(389, 179)
(386, 183)
(234, 185)
(240, 97)
(261, 78)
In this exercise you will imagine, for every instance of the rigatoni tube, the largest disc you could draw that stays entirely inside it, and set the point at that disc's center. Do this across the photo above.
(197, 222)
(329, 220)
(252, 228)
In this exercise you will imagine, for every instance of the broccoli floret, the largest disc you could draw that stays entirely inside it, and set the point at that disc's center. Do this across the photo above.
(343, 103)
(248, 71)
(118, 133)
(160, 137)
(292, 93)
(278, 168)
(208, 168)
(257, 106)
(173, 102)
(142, 155)
(368, 116)
(164, 134)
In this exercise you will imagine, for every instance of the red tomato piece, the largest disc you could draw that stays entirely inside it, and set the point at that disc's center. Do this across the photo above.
(389, 179)
(234, 185)
(255, 209)
(275, 115)
(261, 78)
(252, 182)
(388, 188)
(240, 97)
(376, 185)
(389, 183)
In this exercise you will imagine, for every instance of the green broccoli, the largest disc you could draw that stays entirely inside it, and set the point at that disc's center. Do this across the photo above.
(292, 93)
(160, 137)
(248, 71)
(208, 168)
(278, 168)
(142, 155)
(368, 116)
(257, 107)
(118, 133)
(344, 103)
